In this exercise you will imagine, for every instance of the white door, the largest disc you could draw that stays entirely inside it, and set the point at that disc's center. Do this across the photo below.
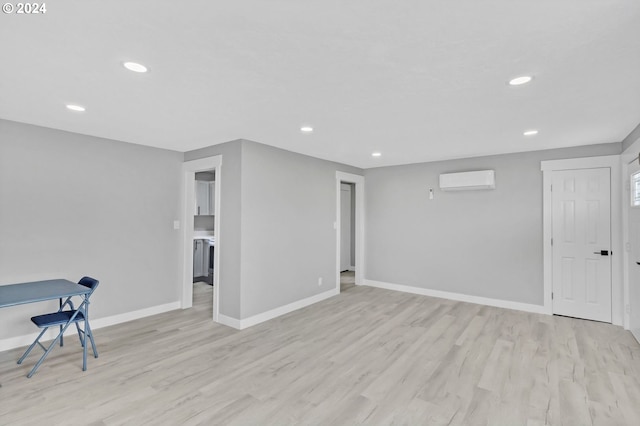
(582, 243)
(345, 227)
(634, 251)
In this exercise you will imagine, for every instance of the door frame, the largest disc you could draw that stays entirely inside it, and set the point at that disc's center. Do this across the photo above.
(613, 163)
(189, 169)
(358, 181)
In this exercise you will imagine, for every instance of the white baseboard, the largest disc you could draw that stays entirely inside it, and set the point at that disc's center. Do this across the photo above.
(274, 313)
(130, 316)
(27, 339)
(498, 303)
(230, 322)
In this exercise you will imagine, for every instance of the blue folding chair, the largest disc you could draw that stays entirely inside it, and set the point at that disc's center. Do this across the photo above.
(64, 319)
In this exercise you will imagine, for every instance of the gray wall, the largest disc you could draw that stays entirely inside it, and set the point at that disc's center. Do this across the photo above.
(631, 138)
(206, 176)
(74, 205)
(204, 223)
(276, 226)
(288, 239)
(481, 243)
(229, 233)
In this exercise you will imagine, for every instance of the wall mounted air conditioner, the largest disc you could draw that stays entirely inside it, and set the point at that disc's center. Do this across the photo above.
(483, 179)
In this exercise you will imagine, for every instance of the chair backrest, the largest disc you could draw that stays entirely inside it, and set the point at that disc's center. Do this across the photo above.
(89, 282)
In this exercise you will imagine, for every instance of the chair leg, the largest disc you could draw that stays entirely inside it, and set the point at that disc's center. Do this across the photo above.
(87, 329)
(84, 357)
(79, 335)
(42, 358)
(33, 345)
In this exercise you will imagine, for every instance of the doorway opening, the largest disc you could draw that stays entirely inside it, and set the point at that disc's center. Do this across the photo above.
(349, 230)
(204, 239)
(347, 235)
(201, 234)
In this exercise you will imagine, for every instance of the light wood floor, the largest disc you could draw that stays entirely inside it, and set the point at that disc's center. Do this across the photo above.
(347, 280)
(366, 356)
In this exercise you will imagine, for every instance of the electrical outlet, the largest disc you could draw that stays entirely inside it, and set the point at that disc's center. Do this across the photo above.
(627, 308)
(176, 224)
(319, 281)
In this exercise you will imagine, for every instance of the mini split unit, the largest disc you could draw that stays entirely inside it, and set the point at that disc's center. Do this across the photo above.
(466, 181)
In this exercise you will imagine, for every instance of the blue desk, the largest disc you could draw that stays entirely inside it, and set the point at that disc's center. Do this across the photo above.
(40, 291)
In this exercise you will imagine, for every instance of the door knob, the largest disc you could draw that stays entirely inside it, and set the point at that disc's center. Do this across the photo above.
(602, 252)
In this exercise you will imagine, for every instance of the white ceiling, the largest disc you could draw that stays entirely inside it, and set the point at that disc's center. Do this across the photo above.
(418, 80)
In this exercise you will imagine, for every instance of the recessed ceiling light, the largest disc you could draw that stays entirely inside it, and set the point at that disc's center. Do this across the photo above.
(306, 129)
(530, 132)
(77, 108)
(135, 67)
(376, 154)
(520, 80)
